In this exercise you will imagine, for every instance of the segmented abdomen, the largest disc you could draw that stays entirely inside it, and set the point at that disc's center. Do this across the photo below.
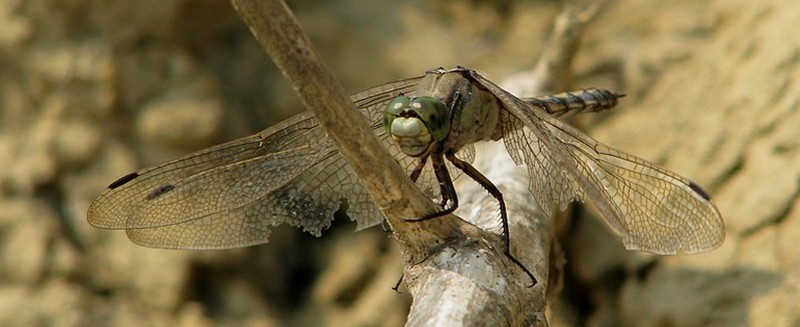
(576, 102)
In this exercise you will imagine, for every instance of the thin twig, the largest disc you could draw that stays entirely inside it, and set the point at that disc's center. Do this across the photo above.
(274, 26)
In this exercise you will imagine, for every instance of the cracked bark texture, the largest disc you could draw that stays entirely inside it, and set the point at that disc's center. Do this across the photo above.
(93, 90)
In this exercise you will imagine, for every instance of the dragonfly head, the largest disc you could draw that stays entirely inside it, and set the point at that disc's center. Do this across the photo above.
(416, 124)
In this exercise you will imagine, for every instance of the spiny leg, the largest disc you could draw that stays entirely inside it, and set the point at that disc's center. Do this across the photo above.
(418, 168)
(447, 189)
(494, 192)
(396, 286)
(449, 201)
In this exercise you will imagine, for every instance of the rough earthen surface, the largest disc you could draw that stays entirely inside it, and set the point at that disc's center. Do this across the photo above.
(92, 90)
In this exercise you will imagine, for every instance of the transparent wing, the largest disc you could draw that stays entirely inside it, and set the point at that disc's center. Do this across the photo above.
(231, 194)
(651, 208)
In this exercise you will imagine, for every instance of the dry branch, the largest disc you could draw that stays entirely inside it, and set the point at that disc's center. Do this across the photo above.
(456, 272)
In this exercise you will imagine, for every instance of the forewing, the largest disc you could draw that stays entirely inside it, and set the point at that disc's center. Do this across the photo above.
(229, 195)
(651, 208)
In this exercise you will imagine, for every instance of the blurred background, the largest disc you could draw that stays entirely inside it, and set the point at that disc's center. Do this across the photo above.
(92, 90)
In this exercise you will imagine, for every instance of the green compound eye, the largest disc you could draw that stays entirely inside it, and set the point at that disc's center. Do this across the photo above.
(393, 109)
(434, 114)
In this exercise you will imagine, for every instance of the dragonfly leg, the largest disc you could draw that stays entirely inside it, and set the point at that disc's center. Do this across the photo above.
(448, 191)
(418, 169)
(396, 286)
(414, 177)
(494, 192)
(449, 200)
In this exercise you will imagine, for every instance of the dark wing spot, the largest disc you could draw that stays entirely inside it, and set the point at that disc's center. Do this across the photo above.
(159, 191)
(124, 180)
(699, 190)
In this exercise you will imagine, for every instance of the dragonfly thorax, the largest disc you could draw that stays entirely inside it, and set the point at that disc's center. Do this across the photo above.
(416, 124)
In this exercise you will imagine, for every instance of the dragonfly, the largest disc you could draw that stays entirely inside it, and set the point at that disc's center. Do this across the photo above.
(232, 194)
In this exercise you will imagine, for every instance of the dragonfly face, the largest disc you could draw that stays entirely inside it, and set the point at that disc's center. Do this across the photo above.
(448, 109)
(416, 124)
